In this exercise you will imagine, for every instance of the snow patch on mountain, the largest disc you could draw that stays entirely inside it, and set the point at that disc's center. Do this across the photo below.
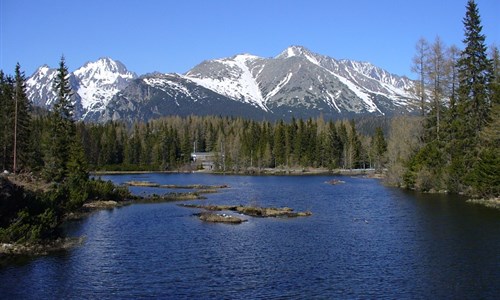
(333, 99)
(239, 85)
(278, 87)
(166, 84)
(372, 107)
(39, 86)
(99, 81)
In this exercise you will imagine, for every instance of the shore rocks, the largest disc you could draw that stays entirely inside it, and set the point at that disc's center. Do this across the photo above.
(44, 248)
(335, 181)
(176, 186)
(219, 218)
(491, 203)
(253, 211)
(101, 204)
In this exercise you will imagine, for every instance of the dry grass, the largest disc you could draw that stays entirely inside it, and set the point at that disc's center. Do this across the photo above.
(219, 218)
(492, 203)
(254, 211)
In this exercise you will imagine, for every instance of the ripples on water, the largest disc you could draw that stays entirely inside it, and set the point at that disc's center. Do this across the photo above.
(363, 241)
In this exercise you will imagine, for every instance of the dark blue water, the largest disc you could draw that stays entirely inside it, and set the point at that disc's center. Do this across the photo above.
(364, 240)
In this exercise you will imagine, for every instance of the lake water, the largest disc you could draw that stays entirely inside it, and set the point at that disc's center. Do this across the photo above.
(364, 240)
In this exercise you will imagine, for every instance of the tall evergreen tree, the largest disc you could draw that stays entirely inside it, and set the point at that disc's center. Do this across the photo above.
(279, 147)
(473, 103)
(22, 122)
(335, 146)
(62, 128)
(6, 120)
(353, 146)
(379, 148)
(485, 176)
(474, 74)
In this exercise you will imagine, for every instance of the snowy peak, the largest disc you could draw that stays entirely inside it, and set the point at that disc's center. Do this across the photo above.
(105, 69)
(99, 81)
(39, 86)
(301, 52)
(93, 84)
(293, 51)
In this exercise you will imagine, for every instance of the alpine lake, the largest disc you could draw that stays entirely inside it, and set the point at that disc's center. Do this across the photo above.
(363, 241)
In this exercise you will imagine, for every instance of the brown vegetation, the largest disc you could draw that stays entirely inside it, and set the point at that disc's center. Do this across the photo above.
(219, 218)
(175, 186)
(254, 211)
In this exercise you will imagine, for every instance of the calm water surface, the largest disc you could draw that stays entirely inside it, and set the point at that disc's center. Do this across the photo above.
(364, 240)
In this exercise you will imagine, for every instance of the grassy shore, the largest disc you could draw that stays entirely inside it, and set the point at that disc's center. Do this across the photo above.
(491, 203)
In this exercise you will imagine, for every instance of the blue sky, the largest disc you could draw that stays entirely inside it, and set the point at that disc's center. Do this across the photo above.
(174, 36)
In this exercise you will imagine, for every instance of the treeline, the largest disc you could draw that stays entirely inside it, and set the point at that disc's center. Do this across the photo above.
(238, 144)
(455, 145)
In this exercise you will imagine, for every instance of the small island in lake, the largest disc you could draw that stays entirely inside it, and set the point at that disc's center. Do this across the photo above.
(253, 211)
(219, 218)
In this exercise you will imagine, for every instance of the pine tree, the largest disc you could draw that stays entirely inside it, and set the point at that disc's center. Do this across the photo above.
(379, 148)
(495, 82)
(279, 148)
(474, 74)
(473, 101)
(485, 176)
(344, 139)
(335, 146)
(6, 120)
(22, 122)
(353, 146)
(78, 176)
(62, 128)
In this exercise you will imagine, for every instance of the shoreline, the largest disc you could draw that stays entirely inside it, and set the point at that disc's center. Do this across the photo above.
(489, 203)
(260, 172)
(9, 250)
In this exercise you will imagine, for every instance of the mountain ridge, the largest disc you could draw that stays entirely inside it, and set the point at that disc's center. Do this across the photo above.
(295, 83)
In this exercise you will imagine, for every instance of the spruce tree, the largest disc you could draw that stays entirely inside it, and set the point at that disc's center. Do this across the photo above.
(3, 119)
(353, 146)
(22, 122)
(62, 128)
(279, 148)
(473, 100)
(485, 175)
(379, 148)
(474, 75)
(77, 179)
(6, 121)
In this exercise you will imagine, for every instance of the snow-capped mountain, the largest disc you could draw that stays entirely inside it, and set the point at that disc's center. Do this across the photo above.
(299, 78)
(156, 95)
(99, 81)
(93, 85)
(296, 83)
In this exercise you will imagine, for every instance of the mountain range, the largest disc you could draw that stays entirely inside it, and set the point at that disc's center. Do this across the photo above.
(296, 83)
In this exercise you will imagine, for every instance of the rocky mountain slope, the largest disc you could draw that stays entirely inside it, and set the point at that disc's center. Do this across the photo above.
(296, 83)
